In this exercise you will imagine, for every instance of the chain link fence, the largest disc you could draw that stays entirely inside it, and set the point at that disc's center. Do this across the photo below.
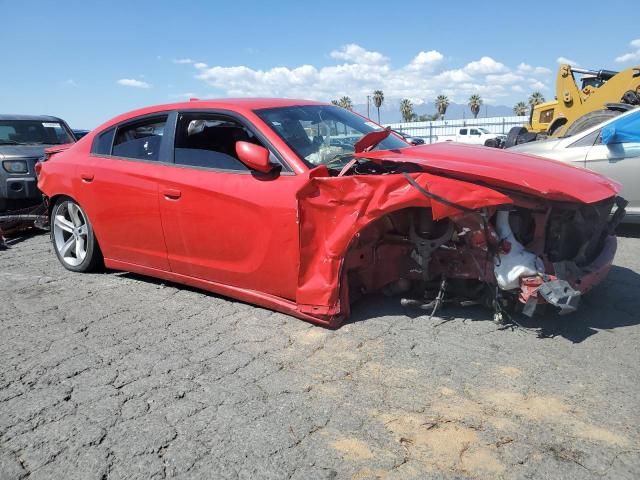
(443, 130)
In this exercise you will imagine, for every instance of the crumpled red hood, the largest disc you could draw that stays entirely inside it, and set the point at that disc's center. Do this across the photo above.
(501, 168)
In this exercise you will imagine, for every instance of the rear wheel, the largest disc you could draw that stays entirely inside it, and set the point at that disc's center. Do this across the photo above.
(73, 238)
(589, 120)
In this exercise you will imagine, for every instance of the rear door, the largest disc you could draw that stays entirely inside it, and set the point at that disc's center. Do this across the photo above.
(223, 222)
(119, 190)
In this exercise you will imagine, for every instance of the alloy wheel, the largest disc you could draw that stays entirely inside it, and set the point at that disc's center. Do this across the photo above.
(70, 233)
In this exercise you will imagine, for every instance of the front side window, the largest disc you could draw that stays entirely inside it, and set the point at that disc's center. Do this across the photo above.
(140, 140)
(33, 132)
(474, 132)
(322, 134)
(209, 141)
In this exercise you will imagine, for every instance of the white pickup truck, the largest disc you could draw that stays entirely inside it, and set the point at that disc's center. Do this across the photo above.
(477, 136)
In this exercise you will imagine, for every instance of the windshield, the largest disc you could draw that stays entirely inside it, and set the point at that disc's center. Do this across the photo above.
(322, 134)
(483, 130)
(33, 132)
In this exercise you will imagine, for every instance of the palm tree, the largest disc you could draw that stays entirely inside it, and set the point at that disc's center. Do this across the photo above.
(335, 102)
(406, 110)
(378, 99)
(345, 102)
(520, 109)
(536, 98)
(442, 103)
(475, 102)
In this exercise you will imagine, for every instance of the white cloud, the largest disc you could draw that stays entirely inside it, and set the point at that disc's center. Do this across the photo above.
(567, 60)
(356, 54)
(132, 82)
(631, 56)
(485, 66)
(628, 57)
(528, 69)
(361, 71)
(538, 85)
(425, 60)
(505, 78)
(182, 61)
(70, 82)
(455, 76)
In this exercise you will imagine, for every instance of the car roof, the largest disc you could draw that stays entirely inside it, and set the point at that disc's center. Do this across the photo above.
(257, 103)
(44, 118)
(236, 104)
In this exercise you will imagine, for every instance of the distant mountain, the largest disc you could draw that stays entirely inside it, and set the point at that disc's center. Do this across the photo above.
(390, 111)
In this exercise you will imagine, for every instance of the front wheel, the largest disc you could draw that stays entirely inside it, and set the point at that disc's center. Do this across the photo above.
(73, 238)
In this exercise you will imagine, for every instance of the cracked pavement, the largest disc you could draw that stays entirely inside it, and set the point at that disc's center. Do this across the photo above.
(117, 376)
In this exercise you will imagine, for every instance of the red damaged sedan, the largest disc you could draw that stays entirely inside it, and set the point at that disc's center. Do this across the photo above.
(304, 207)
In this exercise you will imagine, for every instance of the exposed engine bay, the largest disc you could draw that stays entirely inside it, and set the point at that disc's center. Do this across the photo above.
(516, 257)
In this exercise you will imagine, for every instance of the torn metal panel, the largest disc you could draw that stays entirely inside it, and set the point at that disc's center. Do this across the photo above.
(333, 210)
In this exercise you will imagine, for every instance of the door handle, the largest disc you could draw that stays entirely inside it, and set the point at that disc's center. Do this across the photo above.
(172, 194)
(87, 177)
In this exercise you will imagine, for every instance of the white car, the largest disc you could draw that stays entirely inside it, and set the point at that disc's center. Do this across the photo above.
(477, 136)
(611, 148)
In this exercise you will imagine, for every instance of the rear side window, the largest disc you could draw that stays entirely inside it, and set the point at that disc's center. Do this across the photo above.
(463, 131)
(140, 140)
(102, 143)
(209, 141)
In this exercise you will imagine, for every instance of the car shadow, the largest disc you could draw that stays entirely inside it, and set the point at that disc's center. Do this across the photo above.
(13, 240)
(613, 304)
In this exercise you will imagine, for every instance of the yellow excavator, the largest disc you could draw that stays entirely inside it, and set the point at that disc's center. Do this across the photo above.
(602, 94)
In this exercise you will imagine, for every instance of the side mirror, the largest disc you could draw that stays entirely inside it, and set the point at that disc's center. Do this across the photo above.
(254, 156)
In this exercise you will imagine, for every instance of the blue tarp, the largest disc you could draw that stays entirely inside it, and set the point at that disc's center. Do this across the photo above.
(623, 130)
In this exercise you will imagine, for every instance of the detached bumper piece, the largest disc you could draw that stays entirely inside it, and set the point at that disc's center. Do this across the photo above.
(560, 294)
(550, 290)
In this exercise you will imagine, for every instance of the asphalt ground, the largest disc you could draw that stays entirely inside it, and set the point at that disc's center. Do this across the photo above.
(118, 376)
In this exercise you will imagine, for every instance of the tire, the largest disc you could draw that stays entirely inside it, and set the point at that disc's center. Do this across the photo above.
(512, 136)
(73, 237)
(589, 120)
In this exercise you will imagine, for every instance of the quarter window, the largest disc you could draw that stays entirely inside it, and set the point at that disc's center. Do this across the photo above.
(102, 143)
(140, 140)
(209, 141)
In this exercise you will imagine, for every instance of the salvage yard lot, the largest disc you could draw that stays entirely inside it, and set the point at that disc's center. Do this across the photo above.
(113, 376)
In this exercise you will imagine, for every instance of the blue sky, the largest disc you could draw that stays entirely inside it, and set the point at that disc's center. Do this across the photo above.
(88, 61)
